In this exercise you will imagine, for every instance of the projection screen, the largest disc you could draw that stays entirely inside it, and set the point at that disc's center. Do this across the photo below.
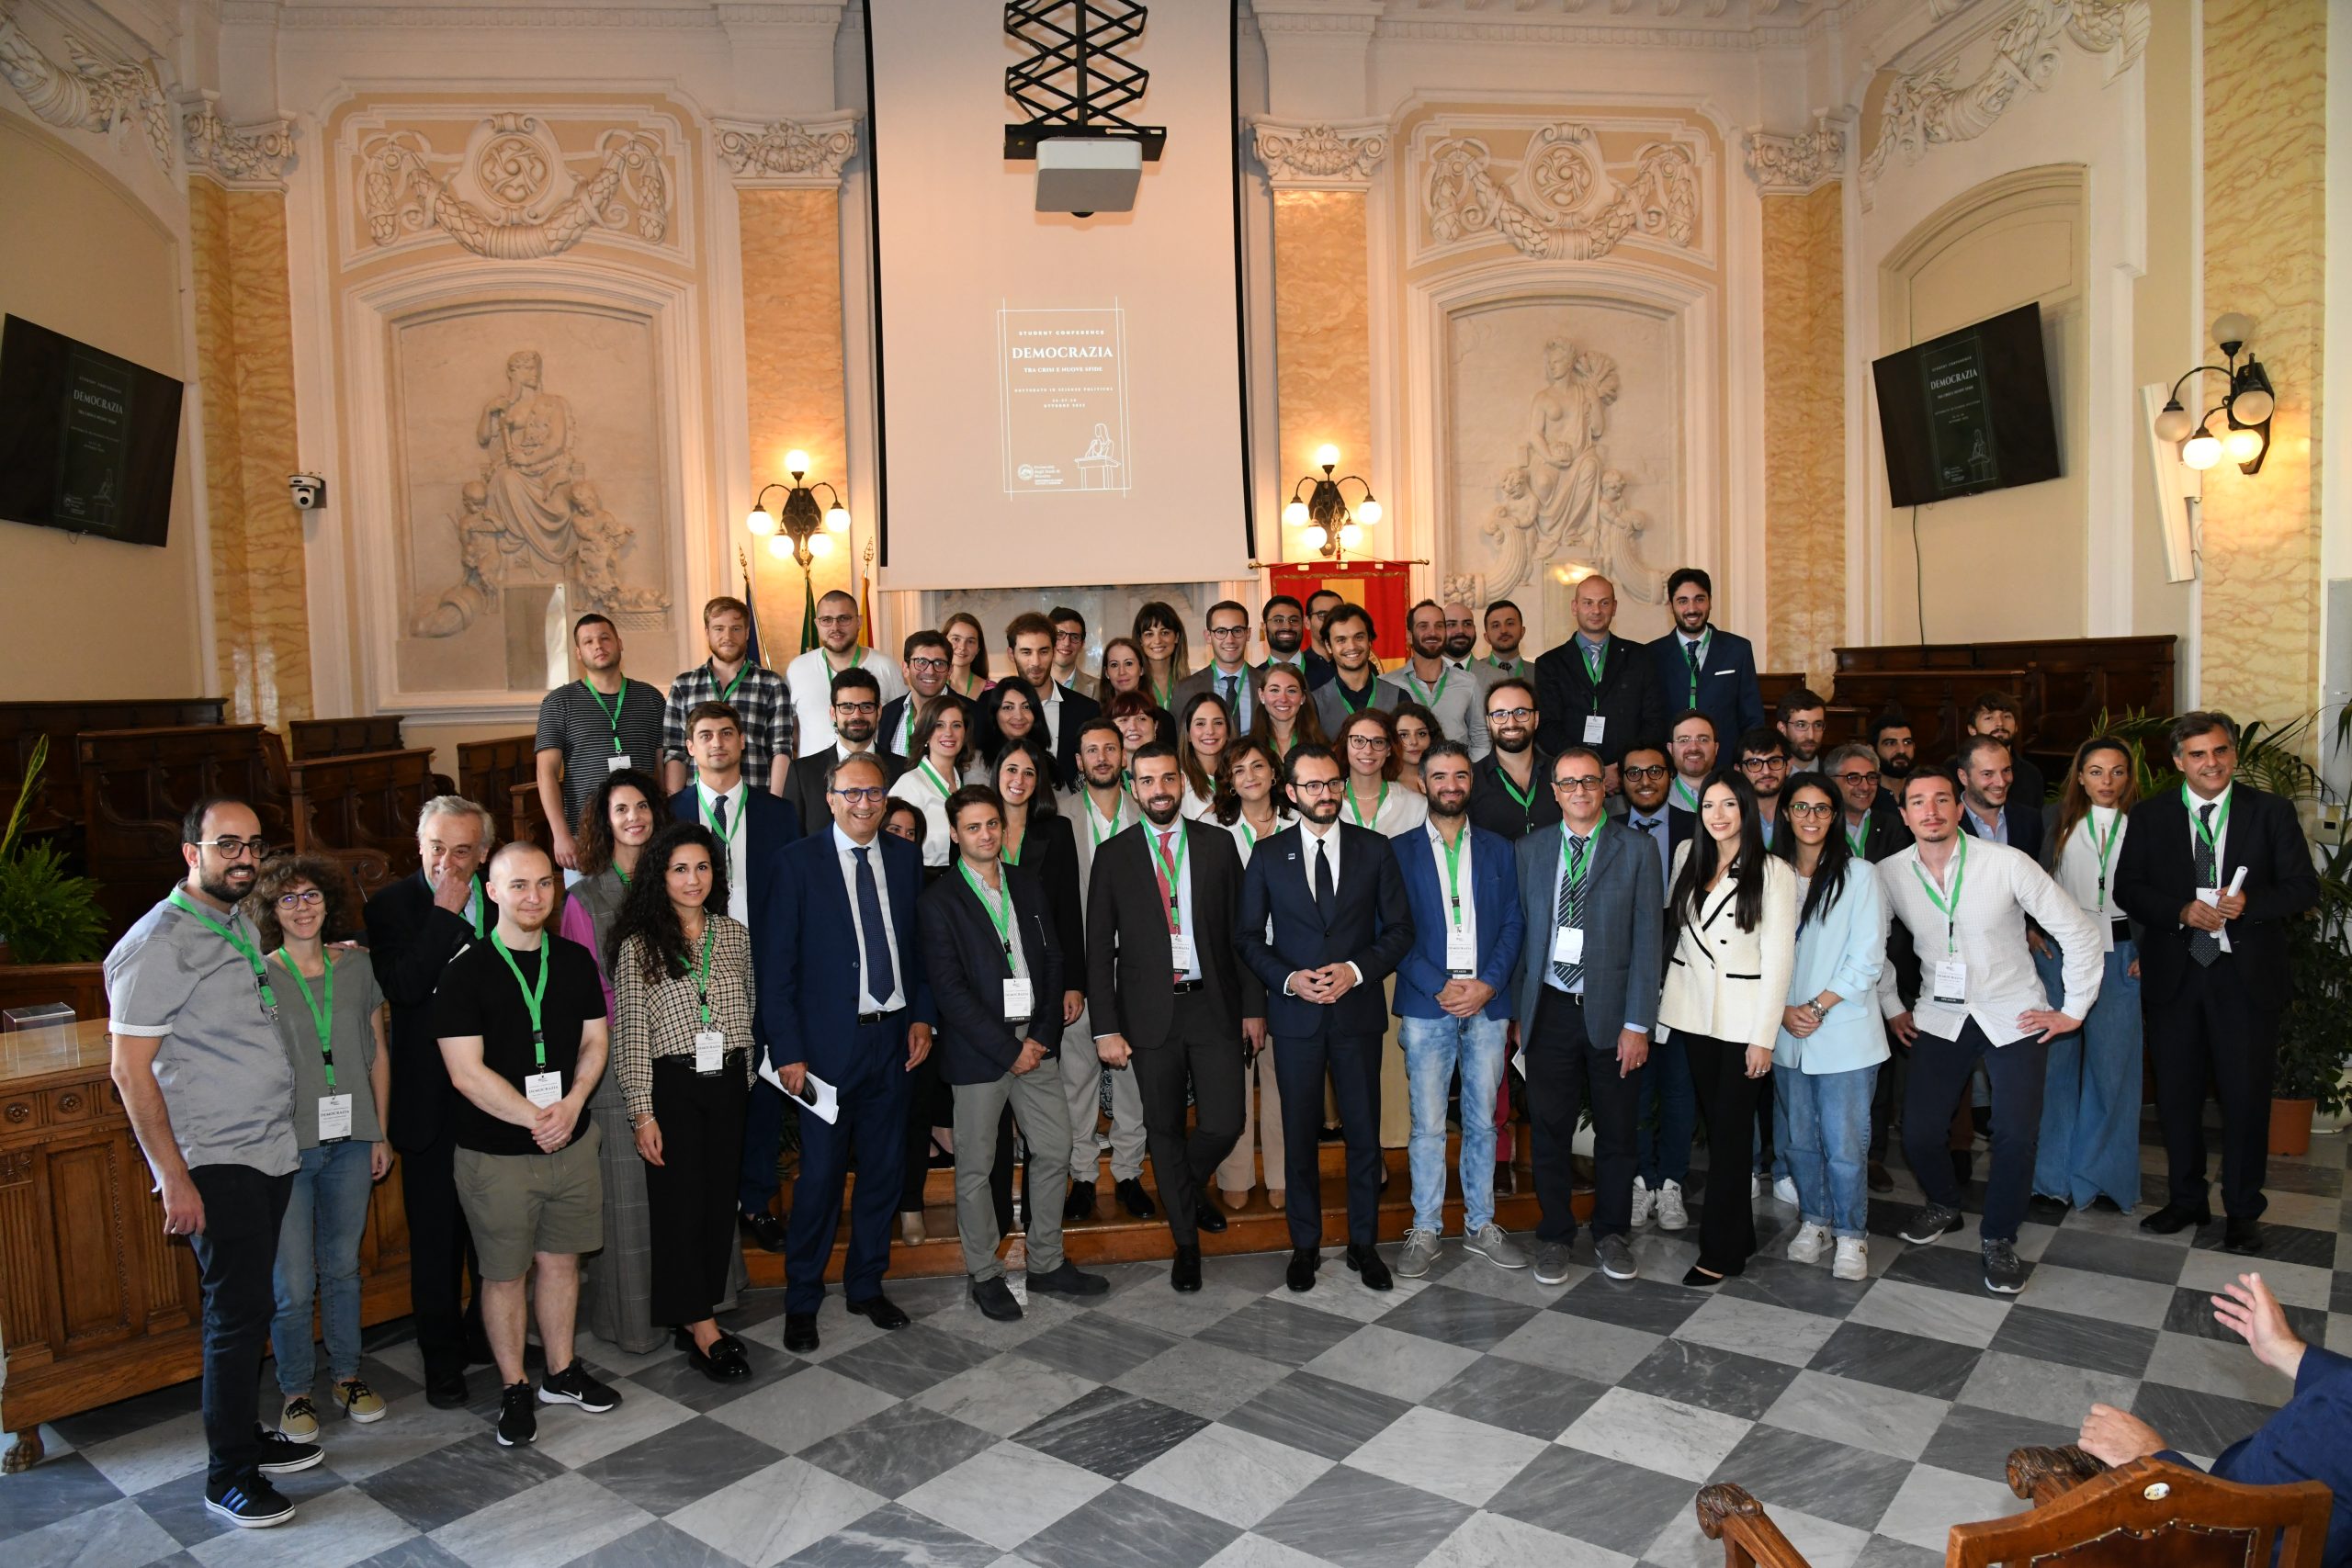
(1060, 399)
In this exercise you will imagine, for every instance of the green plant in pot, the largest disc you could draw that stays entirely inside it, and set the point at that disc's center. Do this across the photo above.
(47, 916)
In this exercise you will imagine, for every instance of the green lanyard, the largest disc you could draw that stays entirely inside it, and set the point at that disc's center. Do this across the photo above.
(1172, 872)
(1377, 807)
(1248, 834)
(1857, 842)
(1581, 861)
(1684, 793)
(612, 714)
(2212, 836)
(2107, 847)
(727, 834)
(1526, 801)
(1165, 696)
(322, 1012)
(1094, 836)
(936, 781)
(1429, 698)
(999, 912)
(534, 1000)
(1950, 909)
(727, 695)
(702, 977)
(1695, 654)
(245, 948)
(907, 728)
(481, 903)
(1453, 848)
(1371, 692)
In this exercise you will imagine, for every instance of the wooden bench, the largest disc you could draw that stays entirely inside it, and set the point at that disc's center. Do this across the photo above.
(362, 810)
(489, 772)
(311, 738)
(137, 784)
(2064, 684)
(59, 804)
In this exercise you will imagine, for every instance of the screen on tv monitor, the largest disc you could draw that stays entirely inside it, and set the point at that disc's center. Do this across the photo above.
(1968, 411)
(87, 440)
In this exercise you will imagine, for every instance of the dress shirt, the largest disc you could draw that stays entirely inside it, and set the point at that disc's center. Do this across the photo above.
(1238, 705)
(809, 678)
(845, 848)
(1995, 827)
(1183, 880)
(2078, 869)
(1999, 887)
(1655, 825)
(1014, 949)
(1457, 701)
(737, 848)
(1310, 837)
(1685, 794)
(1049, 703)
(1462, 903)
(914, 785)
(2221, 839)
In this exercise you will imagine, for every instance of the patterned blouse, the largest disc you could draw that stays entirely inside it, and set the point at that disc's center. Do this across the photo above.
(652, 1021)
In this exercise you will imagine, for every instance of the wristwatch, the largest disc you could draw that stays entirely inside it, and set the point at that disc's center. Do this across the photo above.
(1818, 1011)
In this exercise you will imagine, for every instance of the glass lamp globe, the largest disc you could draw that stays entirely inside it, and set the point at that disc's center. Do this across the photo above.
(1349, 535)
(2173, 423)
(1295, 514)
(1316, 537)
(837, 519)
(2235, 326)
(780, 547)
(820, 544)
(761, 522)
(2253, 406)
(2242, 446)
(795, 462)
(1370, 511)
(2201, 451)
(1327, 455)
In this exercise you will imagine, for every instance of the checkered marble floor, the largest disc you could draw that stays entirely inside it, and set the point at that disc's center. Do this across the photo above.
(1471, 1417)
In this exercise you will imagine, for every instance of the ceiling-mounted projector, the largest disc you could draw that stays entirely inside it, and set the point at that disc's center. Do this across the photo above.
(1088, 175)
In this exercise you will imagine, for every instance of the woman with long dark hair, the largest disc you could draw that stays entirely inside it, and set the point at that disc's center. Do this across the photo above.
(1122, 668)
(942, 747)
(682, 1050)
(1731, 916)
(1825, 1061)
(1159, 632)
(1250, 805)
(2090, 1101)
(1286, 719)
(1203, 731)
(1418, 729)
(967, 656)
(1011, 712)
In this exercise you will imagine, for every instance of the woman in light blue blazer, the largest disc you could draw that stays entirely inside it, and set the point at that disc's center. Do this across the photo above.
(1825, 1063)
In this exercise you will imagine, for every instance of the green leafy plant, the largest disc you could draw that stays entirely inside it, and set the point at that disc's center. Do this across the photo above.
(47, 916)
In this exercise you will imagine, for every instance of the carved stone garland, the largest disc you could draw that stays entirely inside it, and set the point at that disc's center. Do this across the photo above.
(1321, 153)
(787, 149)
(257, 154)
(93, 94)
(405, 196)
(1568, 206)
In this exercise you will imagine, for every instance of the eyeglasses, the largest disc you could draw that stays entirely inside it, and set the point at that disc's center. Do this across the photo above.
(1763, 764)
(234, 849)
(1870, 777)
(856, 708)
(308, 898)
(1070, 637)
(1319, 786)
(1242, 630)
(926, 662)
(1582, 784)
(870, 795)
(1656, 773)
(1367, 743)
(1811, 808)
(1518, 715)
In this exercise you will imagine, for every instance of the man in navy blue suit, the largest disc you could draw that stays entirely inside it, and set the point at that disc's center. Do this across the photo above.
(1702, 667)
(1985, 770)
(754, 826)
(842, 996)
(1339, 924)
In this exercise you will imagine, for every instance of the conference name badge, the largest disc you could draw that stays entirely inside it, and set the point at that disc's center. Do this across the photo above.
(710, 1045)
(1567, 946)
(1180, 950)
(1020, 1000)
(1952, 982)
(1595, 725)
(335, 1118)
(543, 1089)
(616, 762)
(1460, 953)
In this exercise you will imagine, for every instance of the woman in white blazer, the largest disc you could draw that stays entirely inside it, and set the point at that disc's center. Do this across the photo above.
(1732, 915)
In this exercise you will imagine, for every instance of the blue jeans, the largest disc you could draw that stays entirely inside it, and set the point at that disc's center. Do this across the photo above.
(1825, 1133)
(1663, 1153)
(1434, 1048)
(317, 1248)
(2090, 1106)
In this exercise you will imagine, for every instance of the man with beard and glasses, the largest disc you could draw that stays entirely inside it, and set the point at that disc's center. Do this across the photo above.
(1505, 628)
(1764, 758)
(1898, 756)
(209, 1094)
(1691, 746)
(928, 659)
(1803, 719)
(1100, 810)
(810, 676)
(851, 718)
(755, 691)
(1440, 684)
(1171, 1005)
(1508, 794)
(1702, 667)
(1285, 634)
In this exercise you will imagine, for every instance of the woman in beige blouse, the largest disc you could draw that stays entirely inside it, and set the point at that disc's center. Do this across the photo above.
(682, 1048)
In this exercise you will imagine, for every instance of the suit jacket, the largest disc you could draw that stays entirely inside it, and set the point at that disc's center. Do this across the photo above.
(1129, 964)
(1727, 690)
(773, 823)
(804, 785)
(1332, 709)
(2157, 874)
(805, 959)
(1494, 897)
(1204, 680)
(411, 940)
(1050, 854)
(1078, 710)
(1625, 898)
(2024, 822)
(1371, 926)
(886, 729)
(1626, 700)
(1317, 669)
(1884, 834)
(963, 960)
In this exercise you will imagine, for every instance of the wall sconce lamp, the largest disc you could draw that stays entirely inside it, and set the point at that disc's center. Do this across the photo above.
(806, 529)
(1330, 527)
(2247, 405)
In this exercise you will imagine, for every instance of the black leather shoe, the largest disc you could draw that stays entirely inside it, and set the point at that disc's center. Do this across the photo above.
(725, 1362)
(880, 1311)
(446, 1392)
(800, 1332)
(1208, 1219)
(2050, 1211)
(2175, 1217)
(763, 1228)
(1134, 1199)
(1184, 1275)
(1304, 1261)
(1068, 1280)
(1365, 1261)
(1880, 1181)
(994, 1298)
(2242, 1235)
(1080, 1204)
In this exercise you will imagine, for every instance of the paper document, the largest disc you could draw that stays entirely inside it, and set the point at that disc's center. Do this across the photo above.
(818, 1095)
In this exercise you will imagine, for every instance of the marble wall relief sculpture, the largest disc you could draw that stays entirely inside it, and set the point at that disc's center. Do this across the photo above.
(1561, 201)
(516, 193)
(89, 93)
(1562, 503)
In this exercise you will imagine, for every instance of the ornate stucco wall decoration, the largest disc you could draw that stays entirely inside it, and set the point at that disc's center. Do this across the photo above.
(91, 93)
(1307, 156)
(247, 155)
(515, 194)
(1927, 108)
(789, 152)
(1562, 203)
(1794, 165)
(1563, 501)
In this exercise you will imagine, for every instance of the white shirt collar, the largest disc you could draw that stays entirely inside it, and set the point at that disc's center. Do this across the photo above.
(2202, 800)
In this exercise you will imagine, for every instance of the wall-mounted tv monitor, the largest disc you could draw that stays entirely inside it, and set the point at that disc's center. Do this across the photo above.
(1968, 411)
(87, 440)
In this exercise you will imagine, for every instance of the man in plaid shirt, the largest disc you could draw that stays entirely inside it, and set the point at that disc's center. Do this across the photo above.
(757, 693)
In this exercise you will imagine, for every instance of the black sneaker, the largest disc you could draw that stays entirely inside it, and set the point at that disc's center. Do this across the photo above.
(253, 1506)
(518, 1417)
(281, 1455)
(574, 1386)
(2003, 1272)
(1931, 1222)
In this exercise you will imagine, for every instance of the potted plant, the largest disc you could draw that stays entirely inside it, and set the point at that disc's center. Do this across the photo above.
(47, 916)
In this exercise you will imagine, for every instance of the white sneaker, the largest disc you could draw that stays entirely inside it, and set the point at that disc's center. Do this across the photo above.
(1810, 1241)
(1853, 1258)
(1755, 1181)
(1643, 1198)
(1785, 1189)
(1671, 1214)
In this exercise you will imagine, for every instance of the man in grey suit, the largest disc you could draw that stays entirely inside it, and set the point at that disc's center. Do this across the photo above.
(1355, 682)
(1228, 672)
(1589, 983)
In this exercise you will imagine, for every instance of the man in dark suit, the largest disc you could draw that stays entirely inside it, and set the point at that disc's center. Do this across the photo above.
(1597, 688)
(2213, 872)
(1996, 715)
(1285, 634)
(856, 700)
(843, 995)
(1590, 970)
(1228, 673)
(414, 927)
(1168, 998)
(1340, 923)
(753, 827)
(996, 977)
(1699, 666)
(927, 660)
(1983, 768)
(1029, 638)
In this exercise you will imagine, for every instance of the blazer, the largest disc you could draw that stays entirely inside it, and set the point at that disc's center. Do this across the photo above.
(1128, 962)
(1317, 669)
(1371, 927)
(1494, 899)
(1204, 680)
(1078, 710)
(1626, 701)
(963, 960)
(1726, 983)
(805, 959)
(410, 941)
(773, 825)
(1332, 709)
(1050, 854)
(1842, 951)
(1624, 942)
(886, 728)
(1883, 833)
(2024, 818)
(1727, 690)
(2157, 876)
(804, 785)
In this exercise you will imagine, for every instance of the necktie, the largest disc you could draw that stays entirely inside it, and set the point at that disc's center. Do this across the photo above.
(1570, 911)
(2205, 946)
(881, 979)
(1690, 652)
(1225, 688)
(718, 818)
(1325, 893)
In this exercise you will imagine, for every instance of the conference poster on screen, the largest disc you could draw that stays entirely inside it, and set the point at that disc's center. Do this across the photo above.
(1062, 400)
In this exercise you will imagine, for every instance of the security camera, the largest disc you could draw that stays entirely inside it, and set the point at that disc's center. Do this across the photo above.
(309, 491)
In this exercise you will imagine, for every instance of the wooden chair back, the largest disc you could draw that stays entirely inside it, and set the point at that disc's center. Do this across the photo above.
(362, 810)
(1936, 700)
(307, 739)
(59, 803)
(2150, 1514)
(489, 772)
(137, 784)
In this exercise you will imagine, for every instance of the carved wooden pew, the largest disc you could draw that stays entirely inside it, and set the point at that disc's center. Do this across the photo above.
(488, 772)
(59, 805)
(307, 739)
(362, 810)
(137, 784)
(2064, 684)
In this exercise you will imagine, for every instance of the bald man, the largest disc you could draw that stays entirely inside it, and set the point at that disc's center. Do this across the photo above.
(1597, 688)
(809, 678)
